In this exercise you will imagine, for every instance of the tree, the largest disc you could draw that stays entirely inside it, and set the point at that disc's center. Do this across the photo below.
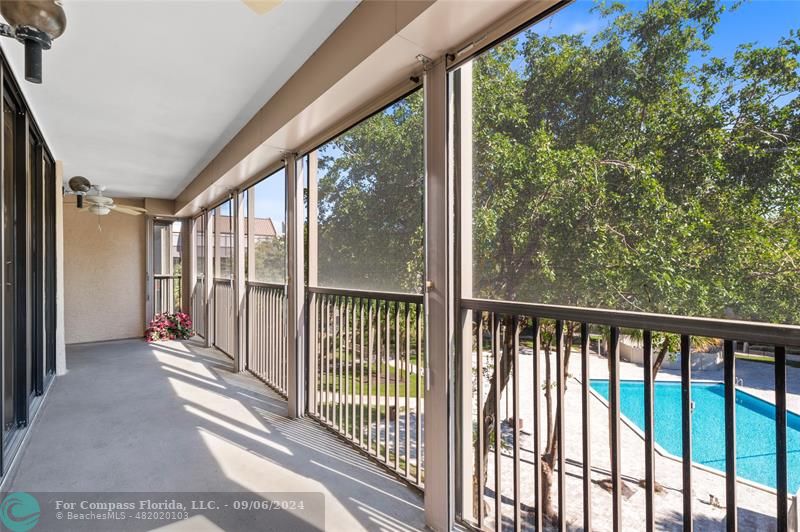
(631, 169)
(370, 202)
(624, 172)
(270, 259)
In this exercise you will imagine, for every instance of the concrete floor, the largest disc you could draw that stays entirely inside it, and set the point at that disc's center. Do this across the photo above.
(171, 417)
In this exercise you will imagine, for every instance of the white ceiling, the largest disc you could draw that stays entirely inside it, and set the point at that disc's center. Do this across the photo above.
(140, 95)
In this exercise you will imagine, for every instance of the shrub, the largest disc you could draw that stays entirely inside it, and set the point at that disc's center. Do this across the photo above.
(165, 326)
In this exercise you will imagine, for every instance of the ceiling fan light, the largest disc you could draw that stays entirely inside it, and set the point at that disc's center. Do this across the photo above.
(99, 210)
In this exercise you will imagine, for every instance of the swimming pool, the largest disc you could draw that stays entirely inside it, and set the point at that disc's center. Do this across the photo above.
(755, 427)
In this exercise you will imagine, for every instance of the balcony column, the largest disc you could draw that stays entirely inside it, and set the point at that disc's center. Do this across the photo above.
(187, 264)
(296, 330)
(439, 302)
(190, 265)
(209, 277)
(61, 348)
(239, 289)
(313, 277)
(149, 274)
(461, 148)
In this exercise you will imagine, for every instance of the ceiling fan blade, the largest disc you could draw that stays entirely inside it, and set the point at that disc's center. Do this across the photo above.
(125, 209)
(261, 6)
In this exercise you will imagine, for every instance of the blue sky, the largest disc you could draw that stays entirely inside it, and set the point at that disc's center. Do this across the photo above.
(270, 199)
(758, 21)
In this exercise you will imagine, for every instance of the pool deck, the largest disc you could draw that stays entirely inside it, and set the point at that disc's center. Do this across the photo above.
(756, 504)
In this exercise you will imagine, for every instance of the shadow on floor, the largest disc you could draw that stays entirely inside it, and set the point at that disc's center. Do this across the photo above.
(130, 416)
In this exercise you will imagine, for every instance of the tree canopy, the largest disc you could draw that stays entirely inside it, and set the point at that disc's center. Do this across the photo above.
(370, 202)
(630, 169)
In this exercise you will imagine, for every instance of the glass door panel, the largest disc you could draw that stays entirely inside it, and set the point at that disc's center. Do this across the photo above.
(9, 295)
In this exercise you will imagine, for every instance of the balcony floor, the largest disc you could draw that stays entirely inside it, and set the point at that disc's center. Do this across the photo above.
(131, 416)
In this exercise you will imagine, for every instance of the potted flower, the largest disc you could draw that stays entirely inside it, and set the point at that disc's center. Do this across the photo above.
(177, 326)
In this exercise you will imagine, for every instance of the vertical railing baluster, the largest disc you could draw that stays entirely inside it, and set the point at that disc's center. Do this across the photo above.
(379, 350)
(649, 429)
(481, 418)
(586, 432)
(515, 416)
(397, 385)
(270, 338)
(780, 438)
(281, 340)
(386, 352)
(342, 366)
(537, 437)
(332, 360)
(329, 357)
(262, 332)
(353, 368)
(560, 375)
(498, 497)
(731, 519)
(258, 330)
(346, 370)
(361, 372)
(323, 339)
(407, 370)
(686, 427)
(613, 394)
(418, 404)
(371, 334)
(317, 355)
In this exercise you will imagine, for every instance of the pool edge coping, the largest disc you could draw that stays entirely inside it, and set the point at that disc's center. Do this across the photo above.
(664, 453)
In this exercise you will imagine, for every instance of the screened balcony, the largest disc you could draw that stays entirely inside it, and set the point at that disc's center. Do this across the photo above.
(485, 265)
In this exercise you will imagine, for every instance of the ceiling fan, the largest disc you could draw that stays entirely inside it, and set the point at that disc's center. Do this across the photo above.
(99, 204)
(34, 23)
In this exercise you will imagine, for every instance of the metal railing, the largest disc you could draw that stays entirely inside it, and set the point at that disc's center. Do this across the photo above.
(224, 312)
(266, 330)
(367, 373)
(198, 307)
(166, 294)
(501, 454)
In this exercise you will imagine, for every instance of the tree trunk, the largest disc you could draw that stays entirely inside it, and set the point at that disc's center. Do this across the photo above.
(502, 373)
(662, 354)
(550, 456)
(548, 508)
(501, 377)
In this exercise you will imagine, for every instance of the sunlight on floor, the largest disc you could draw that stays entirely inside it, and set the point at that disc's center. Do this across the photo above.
(217, 420)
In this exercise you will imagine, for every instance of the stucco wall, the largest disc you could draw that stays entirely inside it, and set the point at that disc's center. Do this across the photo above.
(104, 275)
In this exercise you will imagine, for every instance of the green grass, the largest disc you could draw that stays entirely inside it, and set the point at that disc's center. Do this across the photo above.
(764, 359)
(352, 384)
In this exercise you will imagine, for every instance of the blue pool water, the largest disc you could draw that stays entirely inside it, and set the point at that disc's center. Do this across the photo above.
(755, 427)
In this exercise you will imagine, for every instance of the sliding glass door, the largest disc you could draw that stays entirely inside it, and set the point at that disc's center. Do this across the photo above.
(10, 139)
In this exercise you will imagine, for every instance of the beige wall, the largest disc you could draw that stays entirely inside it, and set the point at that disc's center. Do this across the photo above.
(104, 275)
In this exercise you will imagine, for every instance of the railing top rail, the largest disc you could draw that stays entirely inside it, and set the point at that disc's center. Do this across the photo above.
(368, 294)
(166, 276)
(769, 333)
(265, 284)
(223, 280)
